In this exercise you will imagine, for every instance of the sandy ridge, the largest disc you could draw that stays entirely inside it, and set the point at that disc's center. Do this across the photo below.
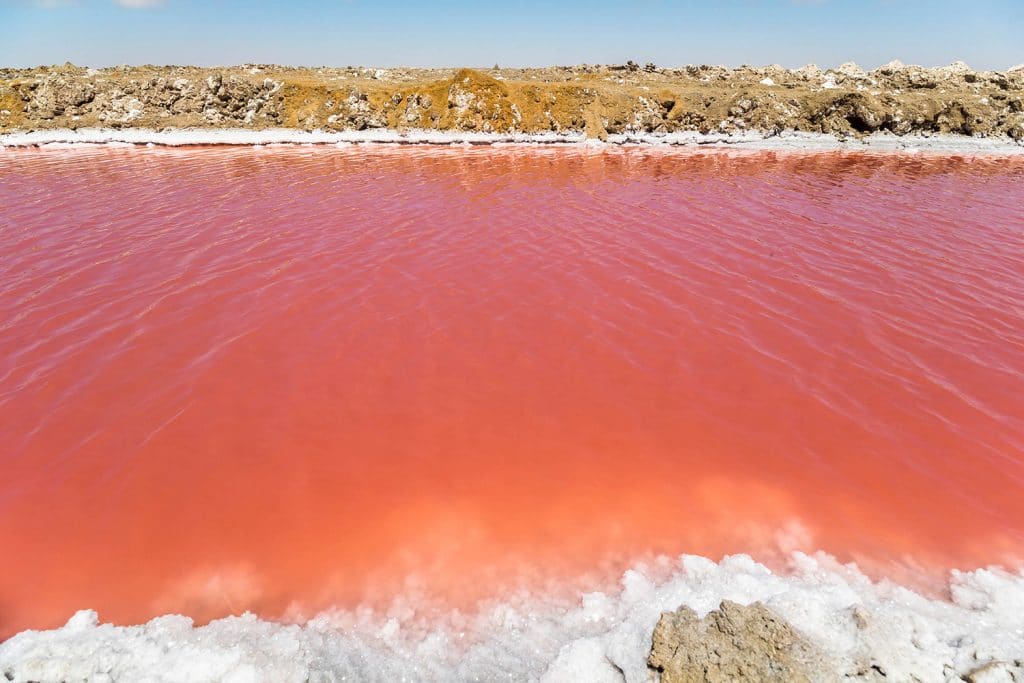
(616, 103)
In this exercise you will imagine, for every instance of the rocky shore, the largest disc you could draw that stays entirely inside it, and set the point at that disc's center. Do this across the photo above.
(596, 101)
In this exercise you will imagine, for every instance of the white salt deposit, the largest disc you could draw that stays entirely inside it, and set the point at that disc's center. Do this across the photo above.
(798, 141)
(791, 140)
(598, 637)
(237, 136)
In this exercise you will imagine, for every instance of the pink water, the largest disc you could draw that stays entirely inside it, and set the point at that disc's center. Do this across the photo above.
(305, 377)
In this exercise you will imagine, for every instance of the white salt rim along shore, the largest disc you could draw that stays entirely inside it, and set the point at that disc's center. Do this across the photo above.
(795, 141)
(597, 637)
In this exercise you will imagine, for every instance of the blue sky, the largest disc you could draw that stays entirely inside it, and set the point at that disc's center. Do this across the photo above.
(987, 34)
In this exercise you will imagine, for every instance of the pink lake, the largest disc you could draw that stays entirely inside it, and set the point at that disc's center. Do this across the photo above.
(299, 378)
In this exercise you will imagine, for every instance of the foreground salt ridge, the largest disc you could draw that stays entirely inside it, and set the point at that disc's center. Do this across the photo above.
(863, 629)
(796, 141)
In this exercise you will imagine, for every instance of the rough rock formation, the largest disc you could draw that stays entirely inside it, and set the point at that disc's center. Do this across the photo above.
(751, 643)
(733, 643)
(596, 100)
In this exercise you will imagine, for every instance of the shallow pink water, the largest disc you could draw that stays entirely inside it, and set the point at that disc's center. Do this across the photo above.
(243, 379)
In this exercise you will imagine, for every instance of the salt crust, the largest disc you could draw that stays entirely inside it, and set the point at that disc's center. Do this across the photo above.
(859, 625)
(950, 144)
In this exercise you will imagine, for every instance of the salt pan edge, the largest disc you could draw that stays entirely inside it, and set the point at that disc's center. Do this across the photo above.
(862, 627)
(794, 141)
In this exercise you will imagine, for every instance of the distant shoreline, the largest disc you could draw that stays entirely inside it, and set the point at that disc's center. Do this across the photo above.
(894, 107)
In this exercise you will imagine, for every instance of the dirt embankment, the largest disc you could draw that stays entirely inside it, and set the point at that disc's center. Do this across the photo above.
(597, 100)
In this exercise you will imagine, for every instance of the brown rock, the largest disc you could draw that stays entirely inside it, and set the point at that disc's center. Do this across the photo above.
(593, 127)
(991, 672)
(733, 643)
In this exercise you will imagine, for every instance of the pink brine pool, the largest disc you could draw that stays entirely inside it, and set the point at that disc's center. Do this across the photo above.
(293, 379)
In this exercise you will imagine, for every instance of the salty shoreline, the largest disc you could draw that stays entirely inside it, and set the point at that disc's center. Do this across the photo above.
(820, 621)
(786, 141)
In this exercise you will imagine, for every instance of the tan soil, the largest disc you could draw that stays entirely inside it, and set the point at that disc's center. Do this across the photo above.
(597, 100)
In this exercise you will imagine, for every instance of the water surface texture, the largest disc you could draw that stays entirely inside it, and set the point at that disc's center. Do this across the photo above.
(287, 379)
